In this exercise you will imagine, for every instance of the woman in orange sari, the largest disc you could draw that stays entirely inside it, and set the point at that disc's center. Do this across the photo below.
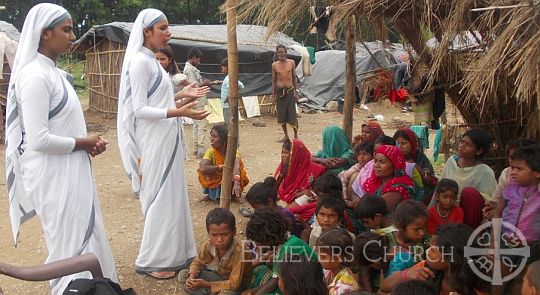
(211, 167)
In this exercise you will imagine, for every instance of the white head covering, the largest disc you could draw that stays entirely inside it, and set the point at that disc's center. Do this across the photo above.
(125, 116)
(40, 17)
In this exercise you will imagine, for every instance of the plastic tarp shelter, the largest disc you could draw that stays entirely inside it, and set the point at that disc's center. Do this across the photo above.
(255, 51)
(327, 81)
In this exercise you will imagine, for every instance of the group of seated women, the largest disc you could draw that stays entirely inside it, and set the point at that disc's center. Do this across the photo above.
(394, 168)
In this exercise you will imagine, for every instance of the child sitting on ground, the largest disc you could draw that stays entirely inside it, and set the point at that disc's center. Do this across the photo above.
(363, 153)
(299, 275)
(329, 213)
(445, 209)
(505, 178)
(531, 281)
(334, 248)
(264, 194)
(410, 240)
(268, 228)
(327, 185)
(521, 202)
(521, 205)
(221, 263)
(373, 212)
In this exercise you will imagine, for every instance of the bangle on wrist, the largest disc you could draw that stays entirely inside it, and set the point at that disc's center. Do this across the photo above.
(236, 177)
(404, 275)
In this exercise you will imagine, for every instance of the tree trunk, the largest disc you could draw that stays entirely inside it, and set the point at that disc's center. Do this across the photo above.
(189, 11)
(350, 82)
(232, 138)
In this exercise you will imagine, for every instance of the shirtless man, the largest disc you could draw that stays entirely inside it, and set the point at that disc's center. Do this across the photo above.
(284, 91)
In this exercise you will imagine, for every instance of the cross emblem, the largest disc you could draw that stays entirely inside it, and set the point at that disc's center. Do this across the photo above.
(485, 253)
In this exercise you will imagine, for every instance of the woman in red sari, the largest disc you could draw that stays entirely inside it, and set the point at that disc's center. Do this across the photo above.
(295, 173)
(389, 180)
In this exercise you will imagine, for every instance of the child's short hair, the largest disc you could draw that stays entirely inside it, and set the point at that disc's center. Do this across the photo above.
(385, 140)
(533, 275)
(530, 155)
(369, 248)
(224, 62)
(371, 205)
(267, 226)
(336, 241)
(414, 287)
(328, 184)
(194, 52)
(302, 275)
(367, 147)
(218, 216)
(335, 204)
(260, 192)
(446, 184)
(407, 212)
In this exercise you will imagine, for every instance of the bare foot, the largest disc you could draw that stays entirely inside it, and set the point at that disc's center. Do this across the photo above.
(205, 198)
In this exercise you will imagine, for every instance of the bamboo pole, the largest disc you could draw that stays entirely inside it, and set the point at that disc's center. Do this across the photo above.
(232, 138)
(350, 82)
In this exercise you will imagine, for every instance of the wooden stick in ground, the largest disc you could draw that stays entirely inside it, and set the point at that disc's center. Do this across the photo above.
(232, 138)
(350, 81)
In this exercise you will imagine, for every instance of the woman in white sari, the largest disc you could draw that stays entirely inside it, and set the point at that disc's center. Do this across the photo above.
(47, 148)
(150, 145)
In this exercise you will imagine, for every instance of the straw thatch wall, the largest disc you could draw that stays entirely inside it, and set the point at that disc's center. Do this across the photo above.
(103, 69)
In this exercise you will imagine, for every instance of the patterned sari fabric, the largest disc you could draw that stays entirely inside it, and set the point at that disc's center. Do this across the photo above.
(214, 180)
(401, 183)
(300, 172)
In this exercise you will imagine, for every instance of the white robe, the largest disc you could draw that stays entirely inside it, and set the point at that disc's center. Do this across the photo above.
(168, 243)
(57, 180)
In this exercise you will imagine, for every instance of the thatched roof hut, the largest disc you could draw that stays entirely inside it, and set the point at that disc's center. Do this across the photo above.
(495, 84)
(105, 45)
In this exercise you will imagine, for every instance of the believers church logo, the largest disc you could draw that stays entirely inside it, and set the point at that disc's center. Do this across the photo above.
(497, 251)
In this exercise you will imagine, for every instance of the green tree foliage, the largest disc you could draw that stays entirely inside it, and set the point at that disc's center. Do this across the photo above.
(87, 13)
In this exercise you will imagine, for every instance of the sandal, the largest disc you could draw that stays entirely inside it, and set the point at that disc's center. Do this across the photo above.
(159, 275)
(246, 212)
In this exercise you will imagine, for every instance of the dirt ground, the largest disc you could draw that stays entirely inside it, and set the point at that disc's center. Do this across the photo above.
(122, 215)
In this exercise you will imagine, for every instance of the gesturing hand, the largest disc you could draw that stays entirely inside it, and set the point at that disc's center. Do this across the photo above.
(193, 92)
(188, 111)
